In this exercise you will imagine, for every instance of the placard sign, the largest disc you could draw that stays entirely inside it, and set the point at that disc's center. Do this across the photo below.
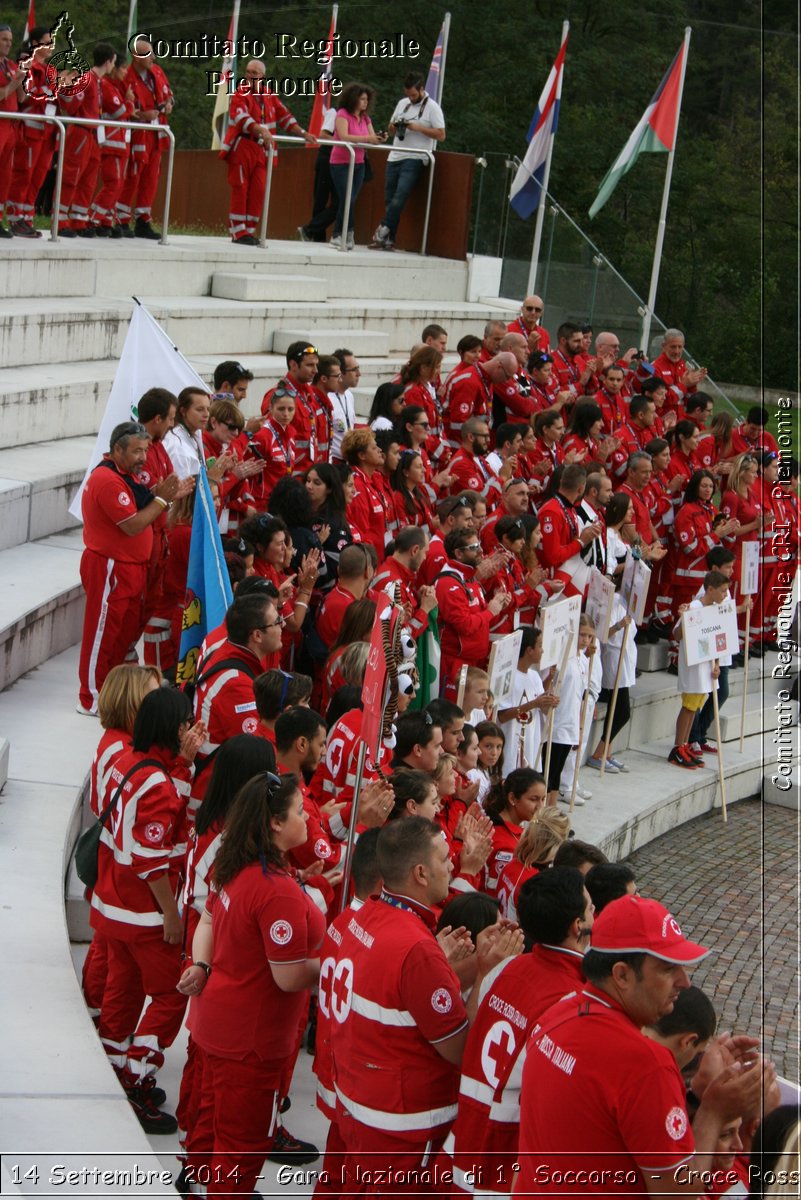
(503, 661)
(560, 621)
(709, 632)
(638, 592)
(600, 602)
(749, 569)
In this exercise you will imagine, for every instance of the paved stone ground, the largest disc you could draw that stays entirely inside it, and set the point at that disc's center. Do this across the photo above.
(734, 888)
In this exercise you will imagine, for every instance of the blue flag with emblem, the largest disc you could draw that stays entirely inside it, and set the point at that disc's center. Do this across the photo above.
(208, 588)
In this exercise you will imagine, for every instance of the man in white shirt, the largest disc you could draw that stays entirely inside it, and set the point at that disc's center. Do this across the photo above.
(343, 402)
(417, 124)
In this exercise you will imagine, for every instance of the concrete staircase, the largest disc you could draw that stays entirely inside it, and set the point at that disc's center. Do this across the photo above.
(63, 321)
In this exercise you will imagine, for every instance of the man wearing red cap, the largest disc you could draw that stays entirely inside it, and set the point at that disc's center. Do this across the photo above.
(603, 1109)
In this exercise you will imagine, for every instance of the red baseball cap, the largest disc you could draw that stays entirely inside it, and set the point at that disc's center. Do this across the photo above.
(634, 925)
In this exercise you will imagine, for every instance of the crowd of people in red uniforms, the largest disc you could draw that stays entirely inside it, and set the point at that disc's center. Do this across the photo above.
(110, 174)
(474, 498)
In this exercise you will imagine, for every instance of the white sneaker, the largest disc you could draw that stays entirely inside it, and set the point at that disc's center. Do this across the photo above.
(381, 234)
(86, 712)
(336, 242)
(583, 792)
(564, 798)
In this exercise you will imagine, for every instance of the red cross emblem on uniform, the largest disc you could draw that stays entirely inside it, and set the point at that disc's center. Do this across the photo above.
(324, 985)
(342, 990)
(499, 1045)
(676, 1123)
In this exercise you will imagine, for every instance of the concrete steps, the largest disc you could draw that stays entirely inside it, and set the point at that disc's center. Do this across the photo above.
(67, 400)
(37, 484)
(41, 602)
(116, 269)
(256, 287)
(61, 330)
(761, 717)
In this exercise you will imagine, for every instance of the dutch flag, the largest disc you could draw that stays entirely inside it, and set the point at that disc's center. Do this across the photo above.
(527, 187)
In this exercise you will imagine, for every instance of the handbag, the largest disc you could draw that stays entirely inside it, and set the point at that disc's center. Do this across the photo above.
(88, 844)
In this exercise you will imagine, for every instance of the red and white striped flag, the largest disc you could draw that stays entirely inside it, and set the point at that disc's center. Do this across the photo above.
(30, 22)
(322, 99)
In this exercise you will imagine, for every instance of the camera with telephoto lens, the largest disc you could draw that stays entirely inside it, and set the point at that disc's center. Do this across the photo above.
(400, 129)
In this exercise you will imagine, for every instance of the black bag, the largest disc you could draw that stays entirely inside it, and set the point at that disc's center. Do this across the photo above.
(88, 843)
(190, 688)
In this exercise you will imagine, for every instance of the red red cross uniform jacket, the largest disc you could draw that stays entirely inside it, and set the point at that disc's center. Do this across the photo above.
(673, 376)
(394, 573)
(143, 840)
(468, 393)
(464, 619)
(568, 372)
(367, 511)
(8, 129)
(225, 702)
(560, 533)
(472, 473)
(392, 996)
(614, 409)
(586, 1050)
(631, 439)
(150, 92)
(519, 326)
(485, 1134)
(553, 456)
(693, 538)
(642, 515)
(505, 837)
(277, 447)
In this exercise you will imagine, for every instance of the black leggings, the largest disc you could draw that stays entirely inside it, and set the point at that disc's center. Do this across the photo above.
(559, 753)
(622, 712)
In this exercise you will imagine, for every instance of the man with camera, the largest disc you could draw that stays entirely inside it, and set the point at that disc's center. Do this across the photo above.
(417, 124)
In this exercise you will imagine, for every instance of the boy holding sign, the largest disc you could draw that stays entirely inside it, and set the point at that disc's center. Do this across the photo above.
(696, 682)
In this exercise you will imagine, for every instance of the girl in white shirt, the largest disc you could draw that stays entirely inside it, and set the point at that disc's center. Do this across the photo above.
(522, 720)
(568, 711)
(184, 442)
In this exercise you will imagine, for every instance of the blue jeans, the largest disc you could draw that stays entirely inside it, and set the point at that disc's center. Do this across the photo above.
(399, 180)
(706, 715)
(339, 176)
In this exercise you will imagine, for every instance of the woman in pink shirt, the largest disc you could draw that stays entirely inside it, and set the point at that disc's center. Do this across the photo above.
(353, 125)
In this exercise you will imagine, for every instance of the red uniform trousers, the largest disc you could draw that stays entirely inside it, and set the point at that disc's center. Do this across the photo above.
(332, 1172)
(141, 179)
(238, 1116)
(192, 1077)
(112, 175)
(94, 974)
(113, 619)
(31, 163)
(8, 142)
(375, 1150)
(81, 164)
(146, 967)
(247, 179)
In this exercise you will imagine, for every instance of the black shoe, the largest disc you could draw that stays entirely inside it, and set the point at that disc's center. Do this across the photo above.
(291, 1150)
(756, 650)
(5, 233)
(659, 630)
(149, 1116)
(86, 232)
(67, 233)
(23, 229)
(155, 1094)
(673, 669)
(144, 229)
(247, 239)
(737, 661)
(771, 645)
(116, 231)
(102, 230)
(125, 231)
(181, 1183)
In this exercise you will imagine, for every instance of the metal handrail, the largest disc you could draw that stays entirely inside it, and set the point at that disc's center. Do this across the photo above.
(288, 139)
(61, 121)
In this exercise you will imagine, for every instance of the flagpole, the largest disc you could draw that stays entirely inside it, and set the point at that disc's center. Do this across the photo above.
(535, 249)
(660, 232)
(235, 33)
(446, 29)
(131, 21)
